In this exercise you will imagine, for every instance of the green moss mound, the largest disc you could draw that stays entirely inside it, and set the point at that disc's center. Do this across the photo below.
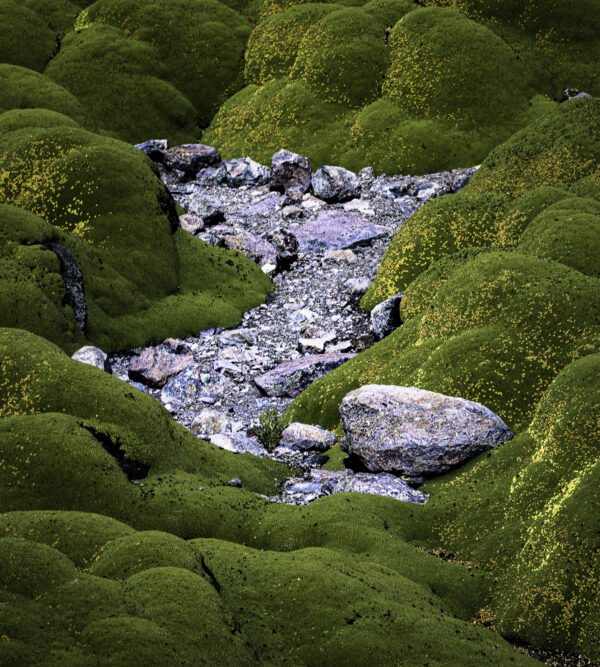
(548, 161)
(274, 42)
(59, 15)
(342, 58)
(123, 84)
(143, 281)
(199, 56)
(22, 88)
(26, 39)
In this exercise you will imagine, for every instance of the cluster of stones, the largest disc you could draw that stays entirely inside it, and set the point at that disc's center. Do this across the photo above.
(314, 233)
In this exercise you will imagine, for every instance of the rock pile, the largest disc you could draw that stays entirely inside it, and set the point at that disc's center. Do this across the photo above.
(322, 237)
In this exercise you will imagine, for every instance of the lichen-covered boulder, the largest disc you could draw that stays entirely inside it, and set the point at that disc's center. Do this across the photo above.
(416, 432)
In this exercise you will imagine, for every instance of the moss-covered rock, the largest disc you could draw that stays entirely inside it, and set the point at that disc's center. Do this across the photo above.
(22, 88)
(59, 15)
(26, 38)
(123, 84)
(142, 279)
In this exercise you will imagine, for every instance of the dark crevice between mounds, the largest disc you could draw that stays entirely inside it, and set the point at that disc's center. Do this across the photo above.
(209, 573)
(167, 203)
(132, 469)
(60, 35)
(73, 279)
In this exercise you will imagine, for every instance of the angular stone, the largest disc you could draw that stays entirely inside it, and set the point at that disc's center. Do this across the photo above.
(416, 432)
(215, 175)
(304, 437)
(210, 210)
(358, 286)
(254, 247)
(190, 158)
(267, 206)
(238, 444)
(154, 367)
(385, 317)
(93, 356)
(155, 149)
(183, 389)
(291, 377)
(209, 422)
(316, 344)
(382, 484)
(290, 171)
(335, 184)
(336, 230)
(245, 171)
(286, 245)
(191, 223)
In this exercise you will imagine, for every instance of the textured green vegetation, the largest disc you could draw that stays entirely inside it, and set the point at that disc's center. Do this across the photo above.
(90, 576)
(21, 88)
(143, 281)
(501, 305)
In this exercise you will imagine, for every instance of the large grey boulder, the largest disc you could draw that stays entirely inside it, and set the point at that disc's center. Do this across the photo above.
(245, 171)
(335, 184)
(305, 437)
(291, 377)
(416, 432)
(385, 317)
(290, 171)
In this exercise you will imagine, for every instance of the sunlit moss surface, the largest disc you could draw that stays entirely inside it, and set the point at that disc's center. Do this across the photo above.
(501, 305)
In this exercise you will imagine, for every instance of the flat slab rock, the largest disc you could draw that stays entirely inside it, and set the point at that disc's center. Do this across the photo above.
(154, 367)
(416, 432)
(336, 230)
(291, 377)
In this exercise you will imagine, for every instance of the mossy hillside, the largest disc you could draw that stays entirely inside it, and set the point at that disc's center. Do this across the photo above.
(258, 121)
(134, 88)
(445, 66)
(174, 610)
(17, 119)
(342, 58)
(494, 327)
(22, 88)
(142, 281)
(273, 45)
(59, 15)
(549, 160)
(557, 150)
(32, 290)
(202, 49)
(26, 39)
(525, 513)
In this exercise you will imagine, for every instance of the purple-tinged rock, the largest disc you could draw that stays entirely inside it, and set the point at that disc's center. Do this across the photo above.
(154, 367)
(267, 206)
(209, 209)
(305, 437)
(416, 432)
(335, 230)
(290, 171)
(385, 317)
(291, 377)
(335, 184)
(215, 175)
(254, 247)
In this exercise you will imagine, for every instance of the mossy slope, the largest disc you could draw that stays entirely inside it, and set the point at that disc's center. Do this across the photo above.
(143, 280)
(501, 305)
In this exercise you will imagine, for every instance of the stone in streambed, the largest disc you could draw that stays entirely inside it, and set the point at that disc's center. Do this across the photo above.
(93, 356)
(254, 247)
(244, 171)
(385, 317)
(291, 377)
(335, 184)
(336, 230)
(154, 367)
(416, 432)
(290, 171)
(190, 158)
(305, 437)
